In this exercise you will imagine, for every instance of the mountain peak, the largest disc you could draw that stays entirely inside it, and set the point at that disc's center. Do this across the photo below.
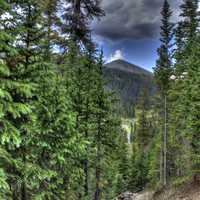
(127, 80)
(124, 65)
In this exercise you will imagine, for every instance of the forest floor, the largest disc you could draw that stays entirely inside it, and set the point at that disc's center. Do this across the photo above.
(189, 191)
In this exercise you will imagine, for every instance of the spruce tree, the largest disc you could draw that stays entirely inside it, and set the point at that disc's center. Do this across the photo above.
(193, 125)
(57, 136)
(9, 108)
(180, 133)
(75, 24)
(77, 19)
(185, 32)
(122, 184)
(189, 25)
(163, 71)
(51, 23)
(19, 62)
(142, 127)
(107, 125)
(184, 115)
(141, 145)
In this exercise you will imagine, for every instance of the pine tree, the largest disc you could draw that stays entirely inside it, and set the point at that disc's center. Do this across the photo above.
(140, 145)
(18, 111)
(82, 61)
(51, 23)
(163, 71)
(185, 32)
(180, 93)
(9, 108)
(188, 26)
(122, 184)
(186, 135)
(192, 86)
(142, 127)
(56, 116)
(78, 71)
(77, 18)
(107, 126)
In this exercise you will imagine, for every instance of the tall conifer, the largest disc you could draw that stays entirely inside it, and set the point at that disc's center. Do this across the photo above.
(77, 19)
(163, 71)
(185, 32)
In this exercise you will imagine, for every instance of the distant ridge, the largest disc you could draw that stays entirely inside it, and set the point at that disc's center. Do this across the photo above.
(128, 80)
(127, 66)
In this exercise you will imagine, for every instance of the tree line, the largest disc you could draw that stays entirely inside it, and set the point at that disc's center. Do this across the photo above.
(166, 146)
(60, 130)
(60, 136)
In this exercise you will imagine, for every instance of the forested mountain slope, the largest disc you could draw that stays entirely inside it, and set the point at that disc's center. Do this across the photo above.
(127, 80)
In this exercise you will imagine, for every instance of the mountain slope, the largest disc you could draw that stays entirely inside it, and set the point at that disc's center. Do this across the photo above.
(127, 80)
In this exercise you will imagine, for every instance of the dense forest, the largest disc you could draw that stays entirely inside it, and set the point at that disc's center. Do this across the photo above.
(61, 136)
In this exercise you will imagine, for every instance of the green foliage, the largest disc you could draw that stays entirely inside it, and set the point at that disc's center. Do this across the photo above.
(186, 31)
(185, 104)
(60, 133)
(183, 146)
(140, 158)
(163, 69)
(127, 84)
(77, 18)
(123, 176)
(4, 187)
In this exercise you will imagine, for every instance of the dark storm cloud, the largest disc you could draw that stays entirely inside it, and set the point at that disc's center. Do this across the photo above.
(131, 19)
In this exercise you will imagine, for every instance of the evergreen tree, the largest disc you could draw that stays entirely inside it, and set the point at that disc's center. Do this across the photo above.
(141, 144)
(122, 184)
(192, 86)
(180, 133)
(59, 128)
(184, 131)
(77, 18)
(189, 25)
(83, 72)
(163, 71)
(185, 32)
(19, 60)
(10, 108)
(107, 125)
(51, 23)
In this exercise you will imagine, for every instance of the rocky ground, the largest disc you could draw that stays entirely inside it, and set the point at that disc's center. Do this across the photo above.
(189, 191)
(135, 196)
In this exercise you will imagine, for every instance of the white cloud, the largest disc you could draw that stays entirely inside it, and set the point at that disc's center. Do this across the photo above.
(118, 55)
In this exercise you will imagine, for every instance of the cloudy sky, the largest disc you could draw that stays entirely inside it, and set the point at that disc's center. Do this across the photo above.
(130, 30)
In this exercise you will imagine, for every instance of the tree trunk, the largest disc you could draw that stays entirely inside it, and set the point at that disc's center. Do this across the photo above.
(165, 143)
(86, 160)
(98, 159)
(14, 193)
(76, 20)
(23, 186)
(86, 178)
(97, 192)
(161, 163)
(98, 171)
(163, 152)
(23, 191)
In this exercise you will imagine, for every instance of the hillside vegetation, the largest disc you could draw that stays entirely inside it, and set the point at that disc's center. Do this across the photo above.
(127, 81)
(63, 132)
